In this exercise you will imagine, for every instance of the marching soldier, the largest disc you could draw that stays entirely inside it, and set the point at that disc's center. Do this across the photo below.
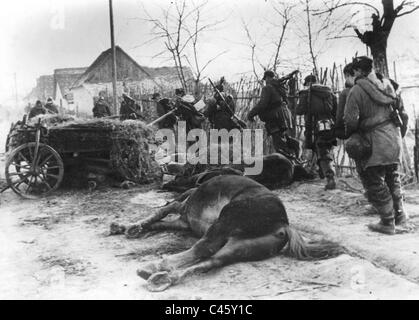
(272, 109)
(186, 111)
(376, 143)
(318, 104)
(216, 112)
(162, 108)
(129, 108)
(101, 108)
(37, 109)
(51, 106)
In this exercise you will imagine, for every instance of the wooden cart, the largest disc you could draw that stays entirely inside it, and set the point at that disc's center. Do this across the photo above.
(35, 164)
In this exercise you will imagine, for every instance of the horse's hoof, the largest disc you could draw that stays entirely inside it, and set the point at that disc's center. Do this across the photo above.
(159, 281)
(133, 232)
(116, 228)
(92, 185)
(147, 269)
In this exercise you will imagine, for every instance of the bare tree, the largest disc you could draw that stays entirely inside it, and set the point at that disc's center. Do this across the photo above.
(312, 32)
(252, 45)
(194, 32)
(310, 38)
(180, 29)
(284, 11)
(381, 23)
(281, 23)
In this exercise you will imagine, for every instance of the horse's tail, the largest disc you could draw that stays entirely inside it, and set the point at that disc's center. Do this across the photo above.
(315, 250)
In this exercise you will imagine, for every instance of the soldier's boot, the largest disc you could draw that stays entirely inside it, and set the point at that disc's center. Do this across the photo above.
(399, 213)
(330, 176)
(294, 145)
(331, 183)
(387, 223)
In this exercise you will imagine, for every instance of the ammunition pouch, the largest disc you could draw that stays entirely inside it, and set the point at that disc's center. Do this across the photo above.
(358, 147)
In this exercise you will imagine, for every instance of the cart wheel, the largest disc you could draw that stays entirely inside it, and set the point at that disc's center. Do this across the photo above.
(33, 178)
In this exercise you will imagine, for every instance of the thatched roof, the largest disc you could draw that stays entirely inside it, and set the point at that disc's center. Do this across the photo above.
(128, 70)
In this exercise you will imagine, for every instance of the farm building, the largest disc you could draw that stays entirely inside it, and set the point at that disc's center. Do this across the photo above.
(138, 81)
(63, 80)
(56, 86)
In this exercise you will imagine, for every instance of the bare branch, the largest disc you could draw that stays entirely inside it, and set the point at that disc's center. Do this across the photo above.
(310, 41)
(212, 60)
(252, 45)
(333, 8)
(407, 12)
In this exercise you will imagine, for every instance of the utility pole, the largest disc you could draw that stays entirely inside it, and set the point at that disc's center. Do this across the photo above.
(114, 74)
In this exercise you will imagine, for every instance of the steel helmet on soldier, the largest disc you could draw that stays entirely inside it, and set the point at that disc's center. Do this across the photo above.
(268, 74)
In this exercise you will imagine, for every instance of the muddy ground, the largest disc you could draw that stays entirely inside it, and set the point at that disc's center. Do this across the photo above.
(58, 248)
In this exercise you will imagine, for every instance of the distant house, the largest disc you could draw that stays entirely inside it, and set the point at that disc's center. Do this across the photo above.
(44, 88)
(63, 80)
(132, 78)
(56, 86)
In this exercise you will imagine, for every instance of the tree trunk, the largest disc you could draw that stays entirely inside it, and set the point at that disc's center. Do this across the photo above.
(379, 53)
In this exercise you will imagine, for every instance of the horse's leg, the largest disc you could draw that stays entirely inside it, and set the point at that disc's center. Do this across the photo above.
(212, 241)
(235, 250)
(178, 224)
(134, 230)
(173, 207)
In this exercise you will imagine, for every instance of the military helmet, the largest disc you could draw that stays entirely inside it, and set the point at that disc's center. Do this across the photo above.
(364, 63)
(155, 96)
(310, 78)
(268, 73)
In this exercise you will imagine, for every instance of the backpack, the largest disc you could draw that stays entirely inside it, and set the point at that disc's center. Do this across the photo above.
(323, 102)
(281, 88)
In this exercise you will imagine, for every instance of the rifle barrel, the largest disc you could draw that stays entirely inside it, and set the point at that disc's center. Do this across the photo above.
(161, 118)
(233, 116)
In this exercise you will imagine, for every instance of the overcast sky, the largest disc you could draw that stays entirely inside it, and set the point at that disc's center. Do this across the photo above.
(39, 36)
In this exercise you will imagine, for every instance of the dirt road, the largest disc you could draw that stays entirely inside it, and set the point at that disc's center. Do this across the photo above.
(58, 248)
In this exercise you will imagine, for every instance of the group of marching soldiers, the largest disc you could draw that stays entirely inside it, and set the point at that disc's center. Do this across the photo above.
(219, 110)
(368, 114)
(39, 108)
(129, 108)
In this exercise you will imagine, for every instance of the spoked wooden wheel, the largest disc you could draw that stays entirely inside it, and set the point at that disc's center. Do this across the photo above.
(34, 174)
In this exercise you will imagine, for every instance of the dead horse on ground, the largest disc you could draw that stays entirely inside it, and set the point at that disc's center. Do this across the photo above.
(237, 219)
